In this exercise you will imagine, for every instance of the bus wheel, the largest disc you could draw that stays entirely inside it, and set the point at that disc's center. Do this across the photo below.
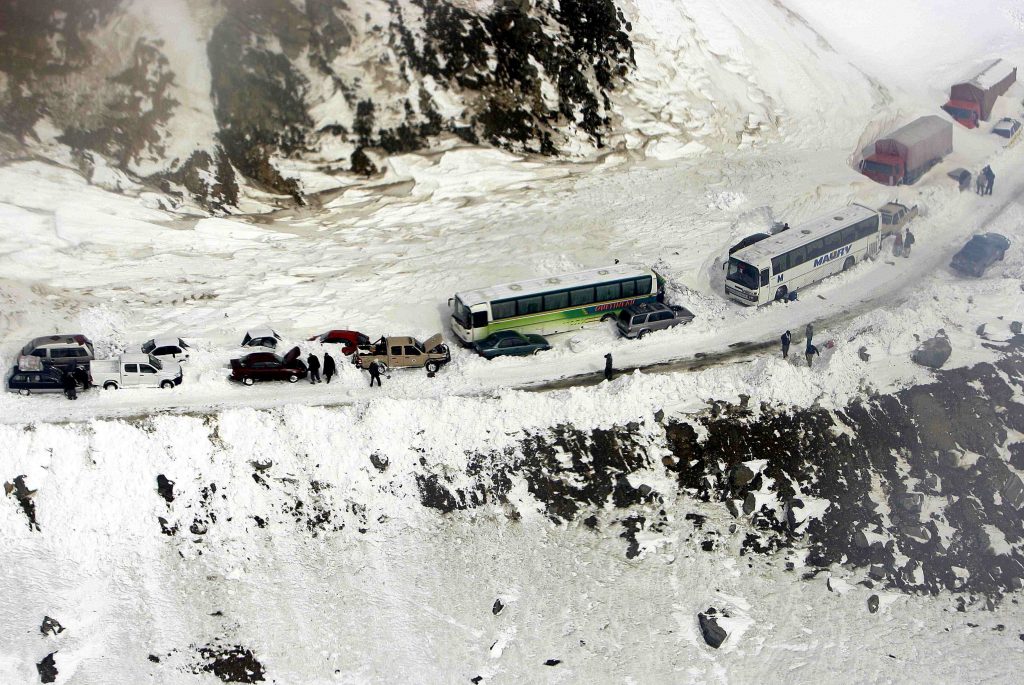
(781, 293)
(848, 264)
(607, 317)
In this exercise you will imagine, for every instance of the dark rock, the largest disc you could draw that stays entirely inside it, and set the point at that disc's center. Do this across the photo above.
(1016, 327)
(51, 626)
(741, 476)
(476, 679)
(873, 604)
(154, 658)
(698, 520)
(19, 490)
(47, 669)
(232, 664)
(912, 502)
(659, 415)
(165, 487)
(552, 662)
(379, 461)
(863, 354)
(713, 633)
(497, 607)
(933, 352)
(878, 572)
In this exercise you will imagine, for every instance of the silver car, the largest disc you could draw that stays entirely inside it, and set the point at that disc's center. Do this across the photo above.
(637, 320)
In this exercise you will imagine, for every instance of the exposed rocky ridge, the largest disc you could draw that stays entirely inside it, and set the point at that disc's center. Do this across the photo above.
(341, 83)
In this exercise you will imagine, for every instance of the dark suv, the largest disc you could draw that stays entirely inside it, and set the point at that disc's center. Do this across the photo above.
(267, 366)
(637, 320)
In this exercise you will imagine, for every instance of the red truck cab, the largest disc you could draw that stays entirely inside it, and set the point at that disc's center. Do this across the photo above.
(885, 169)
(965, 112)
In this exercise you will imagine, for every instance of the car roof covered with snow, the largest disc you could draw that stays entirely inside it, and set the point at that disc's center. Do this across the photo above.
(167, 341)
(552, 283)
(263, 332)
(761, 252)
(135, 358)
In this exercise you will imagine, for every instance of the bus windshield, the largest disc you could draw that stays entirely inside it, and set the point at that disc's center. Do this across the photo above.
(742, 273)
(460, 313)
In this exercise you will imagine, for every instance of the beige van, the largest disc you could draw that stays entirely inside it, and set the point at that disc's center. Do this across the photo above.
(402, 351)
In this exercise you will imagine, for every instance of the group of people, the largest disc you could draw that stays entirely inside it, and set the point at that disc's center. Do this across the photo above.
(983, 184)
(901, 246)
(810, 351)
(330, 369)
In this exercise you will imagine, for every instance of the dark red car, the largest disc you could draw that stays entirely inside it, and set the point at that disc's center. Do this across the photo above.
(350, 340)
(267, 366)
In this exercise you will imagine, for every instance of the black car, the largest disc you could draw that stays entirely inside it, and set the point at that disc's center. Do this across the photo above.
(47, 379)
(510, 343)
(980, 252)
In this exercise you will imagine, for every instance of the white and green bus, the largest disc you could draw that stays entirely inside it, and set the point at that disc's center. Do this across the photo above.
(553, 305)
(773, 268)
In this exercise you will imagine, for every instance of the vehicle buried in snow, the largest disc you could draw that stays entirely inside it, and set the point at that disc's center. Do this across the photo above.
(134, 371)
(636, 321)
(350, 341)
(268, 366)
(896, 216)
(773, 268)
(396, 352)
(30, 376)
(980, 252)
(167, 348)
(510, 344)
(265, 338)
(906, 154)
(1008, 128)
(971, 101)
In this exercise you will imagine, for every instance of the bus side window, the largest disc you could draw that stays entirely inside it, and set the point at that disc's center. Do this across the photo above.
(479, 319)
(582, 296)
(764, 277)
(505, 309)
(608, 291)
(643, 285)
(529, 305)
(779, 264)
(816, 249)
(628, 288)
(796, 257)
(849, 234)
(553, 301)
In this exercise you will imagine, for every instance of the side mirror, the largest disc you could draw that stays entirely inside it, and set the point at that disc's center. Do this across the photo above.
(451, 300)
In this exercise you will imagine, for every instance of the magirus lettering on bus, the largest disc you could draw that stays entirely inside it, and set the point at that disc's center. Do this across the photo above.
(834, 254)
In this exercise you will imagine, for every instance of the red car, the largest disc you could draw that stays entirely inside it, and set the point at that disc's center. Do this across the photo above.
(267, 366)
(351, 340)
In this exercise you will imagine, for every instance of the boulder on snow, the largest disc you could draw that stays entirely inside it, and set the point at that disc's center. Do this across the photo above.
(933, 352)
(912, 502)
(51, 626)
(713, 633)
(873, 602)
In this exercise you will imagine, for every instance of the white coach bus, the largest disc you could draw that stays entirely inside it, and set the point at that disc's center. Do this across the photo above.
(784, 263)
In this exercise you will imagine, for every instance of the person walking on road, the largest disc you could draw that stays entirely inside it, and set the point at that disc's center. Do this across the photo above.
(314, 368)
(608, 373)
(787, 338)
(375, 373)
(329, 367)
(67, 381)
(908, 242)
(809, 332)
(810, 352)
(979, 183)
(990, 178)
(897, 245)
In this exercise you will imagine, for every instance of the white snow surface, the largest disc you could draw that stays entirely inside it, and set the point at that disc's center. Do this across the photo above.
(409, 600)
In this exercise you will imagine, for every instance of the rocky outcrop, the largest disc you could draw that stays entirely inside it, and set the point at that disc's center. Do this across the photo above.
(933, 352)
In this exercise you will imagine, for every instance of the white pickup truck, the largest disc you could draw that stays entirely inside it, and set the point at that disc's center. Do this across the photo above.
(134, 371)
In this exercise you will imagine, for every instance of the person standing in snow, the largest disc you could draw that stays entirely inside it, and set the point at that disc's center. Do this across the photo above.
(897, 245)
(908, 242)
(990, 178)
(329, 366)
(979, 183)
(374, 373)
(809, 332)
(810, 352)
(787, 338)
(608, 366)
(67, 381)
(314, 368)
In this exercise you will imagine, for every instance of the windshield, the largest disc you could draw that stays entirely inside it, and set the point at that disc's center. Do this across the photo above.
(879, 168)
(155, 362)
(742, 273)
(148, 346)
(460, 313)
(959, 112)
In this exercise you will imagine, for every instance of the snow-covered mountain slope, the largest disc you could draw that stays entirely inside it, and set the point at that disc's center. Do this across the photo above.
(206, 99)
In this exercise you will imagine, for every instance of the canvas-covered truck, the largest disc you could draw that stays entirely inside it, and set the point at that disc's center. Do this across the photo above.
(971, 101)
(134, 371)
(903, 156)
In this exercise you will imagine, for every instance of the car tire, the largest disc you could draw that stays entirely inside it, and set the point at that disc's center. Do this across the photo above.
(166, 385)
(110, 385)
(848, 264)
(248, 380)
(781, 293)
(432, 366)
(24, 392)
(642, 334)
(293, 378)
